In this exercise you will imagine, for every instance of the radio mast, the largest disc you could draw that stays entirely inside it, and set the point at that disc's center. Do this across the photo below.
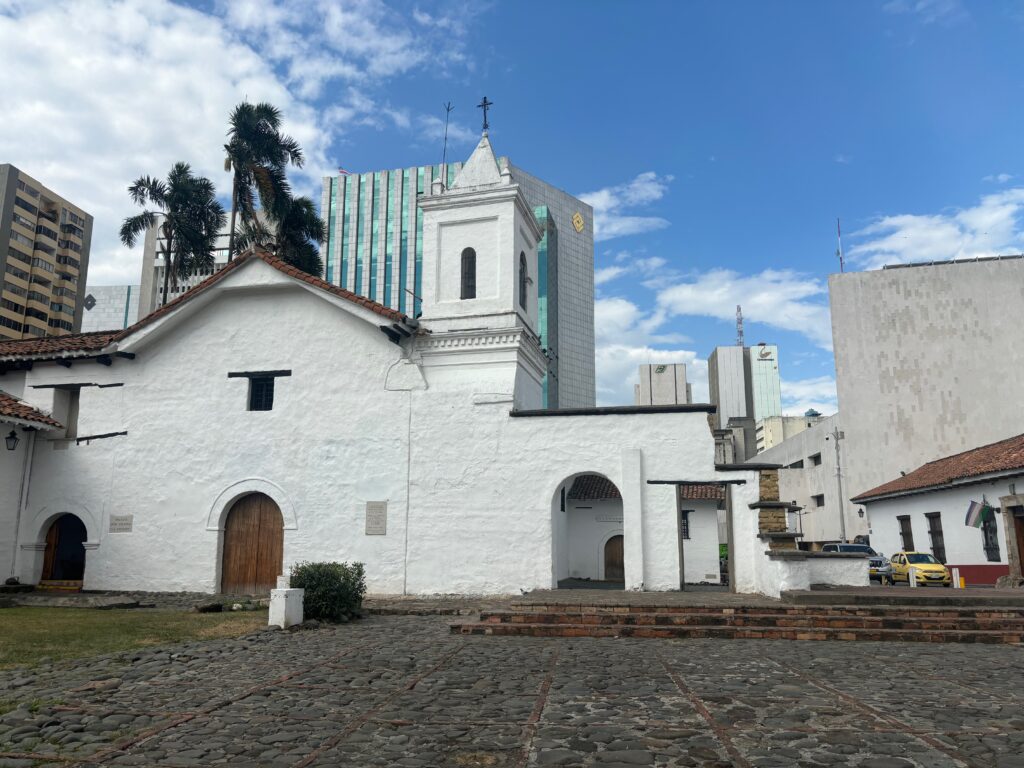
(739, 326)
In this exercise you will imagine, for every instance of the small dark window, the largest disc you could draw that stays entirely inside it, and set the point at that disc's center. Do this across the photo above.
(684, 524)
(468, 274)
(261, 393)
(906, 533)
(796, 465)
(989, 532)
(819, 500)
(523, 279)
(815, 460)
(935, 534)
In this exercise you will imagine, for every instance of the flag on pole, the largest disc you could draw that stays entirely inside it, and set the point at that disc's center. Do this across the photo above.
(343, 172)
(977, 513)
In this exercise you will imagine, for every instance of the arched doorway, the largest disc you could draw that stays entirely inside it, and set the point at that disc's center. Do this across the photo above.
(64, 557)
(253, 554)
(587, 534)
(614, 568)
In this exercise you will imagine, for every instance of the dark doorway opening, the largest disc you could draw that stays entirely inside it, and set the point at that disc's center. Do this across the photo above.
(64, 559)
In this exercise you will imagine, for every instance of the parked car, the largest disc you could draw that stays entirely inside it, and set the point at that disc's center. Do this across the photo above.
(878, 566)
(929, 569)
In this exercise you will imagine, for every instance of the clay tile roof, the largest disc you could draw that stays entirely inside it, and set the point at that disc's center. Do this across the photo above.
(1004, 456)
(57, 346)
(593, 488)
(11, 408)
(94, 343)
(702, 491)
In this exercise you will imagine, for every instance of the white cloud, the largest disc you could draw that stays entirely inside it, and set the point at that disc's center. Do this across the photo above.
(998, 178)
(607, 274)
(843, 159)
(611, 206)
(107, 90)
(778, 298)
(626, 263)
(818, 393)
(624, 338)
(929, 11)
(990, 228)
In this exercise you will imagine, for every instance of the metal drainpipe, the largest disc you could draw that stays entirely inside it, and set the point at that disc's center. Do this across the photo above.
(26, 475)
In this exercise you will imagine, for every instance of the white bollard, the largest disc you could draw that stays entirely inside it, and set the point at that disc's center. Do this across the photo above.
(956, 578)
(285, 605)
(912, 577)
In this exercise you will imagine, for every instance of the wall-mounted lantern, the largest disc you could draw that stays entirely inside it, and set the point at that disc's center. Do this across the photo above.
(12, 440)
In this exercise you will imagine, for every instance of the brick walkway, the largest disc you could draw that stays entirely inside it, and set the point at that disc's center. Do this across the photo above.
(402, 691)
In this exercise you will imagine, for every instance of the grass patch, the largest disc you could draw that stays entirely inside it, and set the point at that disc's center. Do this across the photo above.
(30, 634)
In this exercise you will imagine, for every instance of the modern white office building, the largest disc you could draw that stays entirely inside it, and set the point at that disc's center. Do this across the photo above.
(771, 431)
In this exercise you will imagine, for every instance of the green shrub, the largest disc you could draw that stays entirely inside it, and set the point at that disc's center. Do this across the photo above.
(334, 591)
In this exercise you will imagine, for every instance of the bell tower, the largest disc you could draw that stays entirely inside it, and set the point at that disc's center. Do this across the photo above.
(480, 241)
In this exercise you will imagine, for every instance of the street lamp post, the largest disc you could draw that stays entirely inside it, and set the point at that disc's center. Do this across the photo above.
(837, 435)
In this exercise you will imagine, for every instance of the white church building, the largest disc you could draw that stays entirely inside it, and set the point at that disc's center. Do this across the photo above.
(267, 417)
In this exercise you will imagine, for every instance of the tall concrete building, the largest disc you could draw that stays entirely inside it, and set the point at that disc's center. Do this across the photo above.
(772, 430)
(44, 256)
(662, 384)
(151, 288)
(375, 249)
(927, 357)
(744, 382)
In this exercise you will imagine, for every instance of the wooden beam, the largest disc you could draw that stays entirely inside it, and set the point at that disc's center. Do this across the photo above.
(105, 360)
(257, 374)
(64, 363)
(126, 355)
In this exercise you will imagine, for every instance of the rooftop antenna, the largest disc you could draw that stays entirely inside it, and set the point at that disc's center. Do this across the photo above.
(447, 112)
(839, 250)
(739, 326)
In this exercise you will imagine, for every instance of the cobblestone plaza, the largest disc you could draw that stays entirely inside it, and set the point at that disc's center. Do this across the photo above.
(403, 691)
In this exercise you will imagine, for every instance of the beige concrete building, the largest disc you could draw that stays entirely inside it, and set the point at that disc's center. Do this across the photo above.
(44, 256)
(662, 384)
(772, 430)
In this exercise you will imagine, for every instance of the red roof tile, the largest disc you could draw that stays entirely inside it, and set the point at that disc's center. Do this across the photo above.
(1004, 456)
(702, 491)
(13, 408)
(593, 488)
(57, 346)
(95, 342)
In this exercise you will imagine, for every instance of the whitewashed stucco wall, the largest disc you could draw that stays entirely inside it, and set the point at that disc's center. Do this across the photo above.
(964, 544)
(351, 424)
(589, 526)
(700, 551)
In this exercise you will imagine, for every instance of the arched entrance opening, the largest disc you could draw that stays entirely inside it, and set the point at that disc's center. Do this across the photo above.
(64, 556)
(253, 551)
(588, 542)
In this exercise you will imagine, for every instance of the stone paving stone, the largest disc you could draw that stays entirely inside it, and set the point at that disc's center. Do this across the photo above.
(401, 690)
(436, 746)
(604, 745)
(864, 749)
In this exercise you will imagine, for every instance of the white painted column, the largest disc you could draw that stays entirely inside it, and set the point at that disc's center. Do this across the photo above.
(632, 490)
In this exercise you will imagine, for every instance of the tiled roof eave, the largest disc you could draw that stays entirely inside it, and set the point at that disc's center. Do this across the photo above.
(958, 482)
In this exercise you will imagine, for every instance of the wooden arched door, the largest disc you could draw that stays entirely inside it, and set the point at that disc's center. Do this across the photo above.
(614, 570)
(64, 558)
(253, 546)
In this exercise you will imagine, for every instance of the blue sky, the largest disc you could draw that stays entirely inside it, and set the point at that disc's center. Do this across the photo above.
(717, 141)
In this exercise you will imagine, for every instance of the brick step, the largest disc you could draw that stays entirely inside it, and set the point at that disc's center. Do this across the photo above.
(906, 597)
(813, 621)
(59, 586)
(918, 612)
(738, 632)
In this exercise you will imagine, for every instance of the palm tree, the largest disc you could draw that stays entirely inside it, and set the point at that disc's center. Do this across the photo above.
(189, 217)
(258, 153)
(293, 238)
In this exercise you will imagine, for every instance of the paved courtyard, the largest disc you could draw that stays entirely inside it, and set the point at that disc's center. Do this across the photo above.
(401, 691)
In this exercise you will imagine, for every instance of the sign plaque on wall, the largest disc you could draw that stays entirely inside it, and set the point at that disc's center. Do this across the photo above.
(376, 518)
(121, 523)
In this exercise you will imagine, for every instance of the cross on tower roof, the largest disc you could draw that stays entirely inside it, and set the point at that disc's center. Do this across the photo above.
(485, 105)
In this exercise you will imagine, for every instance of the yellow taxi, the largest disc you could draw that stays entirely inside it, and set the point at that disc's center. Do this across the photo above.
(929, 569)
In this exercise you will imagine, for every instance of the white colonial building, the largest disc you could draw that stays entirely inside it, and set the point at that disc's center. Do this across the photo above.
(267, 417)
